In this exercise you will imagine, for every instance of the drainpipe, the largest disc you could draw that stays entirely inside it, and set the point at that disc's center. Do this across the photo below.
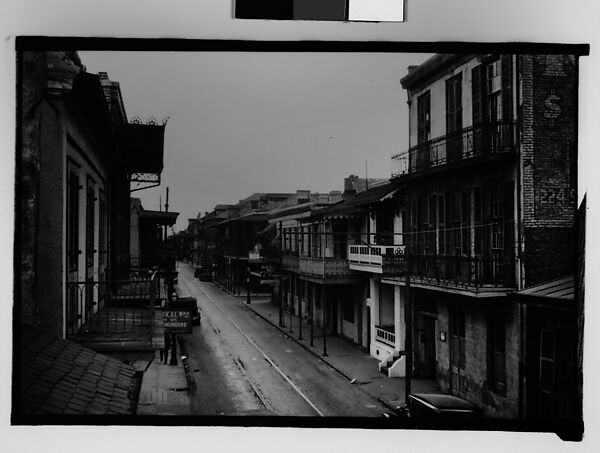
(517, 111)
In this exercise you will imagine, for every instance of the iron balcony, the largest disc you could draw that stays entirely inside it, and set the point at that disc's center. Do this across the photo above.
(462, 272)
(489, 139)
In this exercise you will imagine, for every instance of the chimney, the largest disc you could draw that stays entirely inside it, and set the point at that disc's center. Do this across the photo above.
(350, 185)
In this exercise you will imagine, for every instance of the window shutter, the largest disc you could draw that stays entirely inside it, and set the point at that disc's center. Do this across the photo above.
(487, 218)
(508, 219)
(476, 94)
(449, 215)
(506, 87)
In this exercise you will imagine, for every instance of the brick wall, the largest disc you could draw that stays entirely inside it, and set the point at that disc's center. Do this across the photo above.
(549, 253)
(548, 126)
(28, 169)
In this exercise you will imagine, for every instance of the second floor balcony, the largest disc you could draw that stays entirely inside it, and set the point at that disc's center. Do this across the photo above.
(324, 268)
(370, 258)
(471, 273)
(290, 261)
(115, 315)
(489, 139)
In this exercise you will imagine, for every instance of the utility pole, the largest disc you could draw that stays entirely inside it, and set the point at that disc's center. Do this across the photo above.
(248, 284)
(281, 276)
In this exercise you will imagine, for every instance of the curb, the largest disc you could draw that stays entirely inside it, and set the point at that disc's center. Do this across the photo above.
(389, 406)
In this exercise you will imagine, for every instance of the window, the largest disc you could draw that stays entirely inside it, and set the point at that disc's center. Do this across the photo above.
(494, 77)
(454, 117)
(423, 118)
(102, 229)
(423, 131)
(457, 337)
(497, 353)
(497, 207)
(90, 224)
(73, 221)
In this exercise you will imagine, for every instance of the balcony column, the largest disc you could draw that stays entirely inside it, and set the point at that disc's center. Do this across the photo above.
(303, 283)
(374, 308)
(324, 305)
(399, 319)
(312, 314)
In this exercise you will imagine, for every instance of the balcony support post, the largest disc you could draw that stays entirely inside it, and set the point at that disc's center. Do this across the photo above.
(408, 344)
(281, 277)
(300, 313)
(325, 324)
(312, 311)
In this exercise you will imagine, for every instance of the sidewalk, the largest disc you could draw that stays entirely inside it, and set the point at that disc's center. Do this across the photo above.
(346, 358)
(164, 390)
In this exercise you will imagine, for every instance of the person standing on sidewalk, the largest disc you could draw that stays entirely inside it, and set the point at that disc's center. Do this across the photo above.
(164, 353)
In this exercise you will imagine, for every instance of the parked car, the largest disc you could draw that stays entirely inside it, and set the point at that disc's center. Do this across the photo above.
(203, 274)
(187, 303)
(440, 407)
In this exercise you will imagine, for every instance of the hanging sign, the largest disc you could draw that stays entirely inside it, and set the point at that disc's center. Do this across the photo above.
(177, 321)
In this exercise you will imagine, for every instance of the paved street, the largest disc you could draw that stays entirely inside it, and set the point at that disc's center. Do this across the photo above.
(242, 365)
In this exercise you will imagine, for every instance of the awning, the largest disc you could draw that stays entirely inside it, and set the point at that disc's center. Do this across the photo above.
(159, 217)
(561, 288)
(556, 294)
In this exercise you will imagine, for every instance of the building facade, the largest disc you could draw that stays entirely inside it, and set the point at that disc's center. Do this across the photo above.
(490, 183)
(78, 155)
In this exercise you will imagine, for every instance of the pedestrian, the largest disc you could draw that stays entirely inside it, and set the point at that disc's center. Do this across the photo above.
(164, 353)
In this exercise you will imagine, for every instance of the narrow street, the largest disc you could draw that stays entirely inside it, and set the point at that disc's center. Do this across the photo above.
(244, 366)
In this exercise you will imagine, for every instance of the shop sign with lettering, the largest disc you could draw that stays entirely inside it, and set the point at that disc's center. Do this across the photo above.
(177, 321)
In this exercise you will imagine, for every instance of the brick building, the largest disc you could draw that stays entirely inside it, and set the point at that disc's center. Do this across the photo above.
(490, 180)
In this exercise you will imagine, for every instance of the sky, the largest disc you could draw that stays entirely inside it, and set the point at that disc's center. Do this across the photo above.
(247, 122)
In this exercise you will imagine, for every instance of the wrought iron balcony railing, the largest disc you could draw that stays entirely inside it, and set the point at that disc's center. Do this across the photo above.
(290, 262)
(112, 307)
(473, 141)
(324, 267)
(447, 270)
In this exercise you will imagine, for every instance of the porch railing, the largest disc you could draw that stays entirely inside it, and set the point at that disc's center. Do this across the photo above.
(324, 267)
(483, 139)
(372, 254)
(385, 335)
(449, 270)
(114, 306)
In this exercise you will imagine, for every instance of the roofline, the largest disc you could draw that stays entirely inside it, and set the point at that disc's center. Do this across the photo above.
(432, 66)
